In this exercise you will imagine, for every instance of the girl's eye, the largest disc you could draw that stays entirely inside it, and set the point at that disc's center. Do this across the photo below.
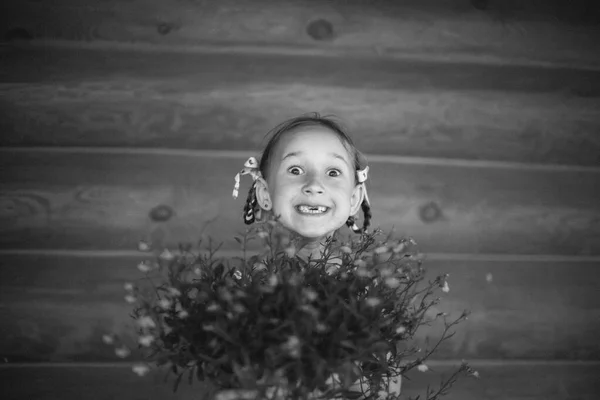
(295, 170)
(334, 172)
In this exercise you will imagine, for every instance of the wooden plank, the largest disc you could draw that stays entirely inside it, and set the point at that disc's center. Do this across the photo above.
(226, 101)
(502, 31)
(56, 308)
(85, 199)
(506, 381)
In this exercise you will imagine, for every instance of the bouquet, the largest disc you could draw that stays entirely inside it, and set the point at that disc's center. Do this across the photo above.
(276, 326)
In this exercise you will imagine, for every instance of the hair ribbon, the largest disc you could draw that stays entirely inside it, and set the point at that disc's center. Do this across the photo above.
(362, 176)
(250, 168)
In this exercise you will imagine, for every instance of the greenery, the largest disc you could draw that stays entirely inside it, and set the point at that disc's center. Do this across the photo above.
(275, 325)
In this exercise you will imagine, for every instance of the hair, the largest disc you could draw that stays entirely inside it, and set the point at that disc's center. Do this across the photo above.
(288, 127)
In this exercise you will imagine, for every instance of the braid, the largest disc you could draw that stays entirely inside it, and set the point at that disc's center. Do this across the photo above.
(367, 212)
(250, 206)
(351, 222)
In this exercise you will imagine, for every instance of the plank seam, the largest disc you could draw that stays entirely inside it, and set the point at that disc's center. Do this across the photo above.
(242, 155)
(285, 49)
(234, 253)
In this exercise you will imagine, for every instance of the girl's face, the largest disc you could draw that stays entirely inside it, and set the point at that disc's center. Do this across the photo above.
(311, 182)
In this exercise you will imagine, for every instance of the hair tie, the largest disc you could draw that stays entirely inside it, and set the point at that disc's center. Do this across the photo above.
(362, 176)
(250, 168)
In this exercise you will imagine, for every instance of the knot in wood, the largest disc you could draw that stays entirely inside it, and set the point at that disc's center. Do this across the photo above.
(161, 213)
(320, 29)
(430, 212)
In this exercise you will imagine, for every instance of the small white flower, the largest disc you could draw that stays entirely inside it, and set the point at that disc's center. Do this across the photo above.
(140, 369)
(259, 266)
(423, 368)
(273, 281)
(146, 340)
(489, 277)
(128, 286)
(213, 307)
(392, 282)
(381, 250)
(399, 248)
(346, 249)
(166, 255)
(144, 266)
(401, 329)
(239, 308)
(108, 339)
(143, 246)
(122, 351)
(146, 322)
(310, 294)
(197, 271)
(130, 299)
(292, 345)
(320, 327)
(475, 374)
(445, 287)
(237, 274)
(290, 251)
(183, 314)
(263, 234)
(332, 269)
(165, 303)
(373, 301)
(174, 291)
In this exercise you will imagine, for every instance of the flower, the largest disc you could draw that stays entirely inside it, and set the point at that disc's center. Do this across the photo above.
(309, 294)
(146, 340)
(381, 250)
(128, 286)
(165, 303)
(122, 351)
(144, 266)
(141, 369)
(166, 255)
(392, 283)
(262, 234)
(292, 346)
(423, 368)
(401, 329)
(445, 287)
(108, 339)
(360, 263)
(373, 301)
(290, 251)
(146, 322)
(143, 246)
(130, 299)
(183, 314)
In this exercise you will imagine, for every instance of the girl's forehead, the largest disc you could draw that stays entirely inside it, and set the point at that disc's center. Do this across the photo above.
(314, 139)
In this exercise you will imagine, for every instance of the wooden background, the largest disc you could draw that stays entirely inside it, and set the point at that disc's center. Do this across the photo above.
(493, 167)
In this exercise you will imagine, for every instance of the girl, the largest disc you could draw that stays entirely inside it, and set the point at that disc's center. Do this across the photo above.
(312, 178)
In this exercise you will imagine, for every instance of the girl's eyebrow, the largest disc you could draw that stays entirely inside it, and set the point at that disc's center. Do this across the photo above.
(297, 153)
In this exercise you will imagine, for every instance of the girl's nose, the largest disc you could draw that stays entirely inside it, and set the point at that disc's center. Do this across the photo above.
(312, 187)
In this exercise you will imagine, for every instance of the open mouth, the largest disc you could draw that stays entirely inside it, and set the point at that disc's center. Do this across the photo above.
(306, 209)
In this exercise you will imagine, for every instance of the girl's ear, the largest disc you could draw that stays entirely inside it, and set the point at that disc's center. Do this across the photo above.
(262, 194)
(358, 195)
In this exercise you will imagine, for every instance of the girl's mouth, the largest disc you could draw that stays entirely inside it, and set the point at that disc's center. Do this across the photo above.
(306, 209)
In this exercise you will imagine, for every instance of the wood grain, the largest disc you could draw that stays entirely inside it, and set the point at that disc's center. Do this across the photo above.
(498, 382)
(80, 199)
(74, 97)
(56, 308)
